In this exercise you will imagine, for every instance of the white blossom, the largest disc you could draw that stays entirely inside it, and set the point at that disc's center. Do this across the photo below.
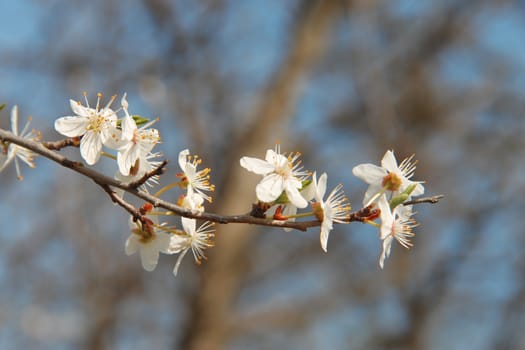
(135, 142)
(388, 177)
(11, 152)
(280, 173)
(191, 201)
(196, 181)
(396, 225)
(149, 241)
(336, 208)
(195, 239)
(97, 126)
(145, 164)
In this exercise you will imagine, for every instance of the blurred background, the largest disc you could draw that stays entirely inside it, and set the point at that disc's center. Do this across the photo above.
(342, 82)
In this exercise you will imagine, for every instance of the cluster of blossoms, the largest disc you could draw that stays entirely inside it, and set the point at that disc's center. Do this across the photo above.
(285, 186)
(150, 238)
(389, 187)
(100, 127)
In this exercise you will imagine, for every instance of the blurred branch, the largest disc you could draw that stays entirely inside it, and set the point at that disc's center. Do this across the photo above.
(209, 326)
(431, 200)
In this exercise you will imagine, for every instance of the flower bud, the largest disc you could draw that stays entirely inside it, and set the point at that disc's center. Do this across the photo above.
(410, 189)
(397, 200)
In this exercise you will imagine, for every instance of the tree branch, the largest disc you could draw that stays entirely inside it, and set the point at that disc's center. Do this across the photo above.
(157, 171)
(120, 201)
(58, 145)
(107, 182)
(104, 181)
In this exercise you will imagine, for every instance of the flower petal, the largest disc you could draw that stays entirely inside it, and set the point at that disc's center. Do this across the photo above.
(271, 156)
(183, 158)
(71, 126)
(321, 186)
(122, 161)
(295, 197)
(132, 244)
(387, 218)
(387, 245)
(325, 231)
(369, 173)
(127, 159)
(149, 256)
(189, 225)
(372, 191)
(90, 147)
(14, 119)
(277, 160)
(389, 162)
(256, 165)
(270, 187)
(112, 138)
(163, 242)
(109, 115)
(128, 128)
(179, 260)
(308, 192)
(78, 109)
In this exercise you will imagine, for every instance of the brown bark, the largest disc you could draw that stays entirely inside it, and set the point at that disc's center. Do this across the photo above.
(209, 326)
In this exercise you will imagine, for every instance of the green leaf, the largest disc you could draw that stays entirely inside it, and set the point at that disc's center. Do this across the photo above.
(140, 120)
(2, 106)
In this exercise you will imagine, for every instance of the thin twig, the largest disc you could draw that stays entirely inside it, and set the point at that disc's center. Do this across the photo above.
(157, 171)
(432, 200)
(120, 201)
(58, 145)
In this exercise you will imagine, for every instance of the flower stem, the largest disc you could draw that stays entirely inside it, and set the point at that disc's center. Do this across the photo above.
(105, 154)
(373, 223)
(166, 188)
(171, 230)
(162, 213)
(302, 215)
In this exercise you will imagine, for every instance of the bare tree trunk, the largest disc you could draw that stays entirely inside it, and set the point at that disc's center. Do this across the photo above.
(209, 326)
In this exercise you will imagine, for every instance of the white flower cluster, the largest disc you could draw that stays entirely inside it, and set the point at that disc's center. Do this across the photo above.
(389, 187)
(285, 186)
(152, 238)
(100, 127)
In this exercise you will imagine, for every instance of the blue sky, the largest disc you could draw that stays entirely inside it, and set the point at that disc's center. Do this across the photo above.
(249, 58)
